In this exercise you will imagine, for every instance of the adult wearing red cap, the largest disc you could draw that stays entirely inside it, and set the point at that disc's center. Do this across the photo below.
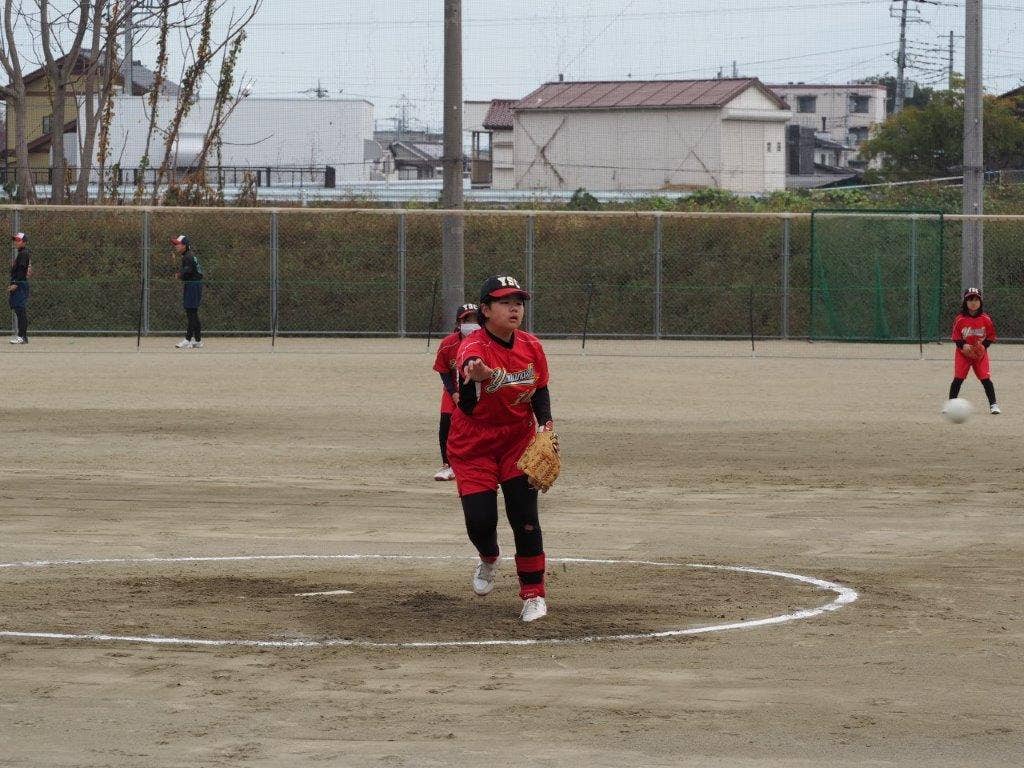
(503, 401)
(17, 289)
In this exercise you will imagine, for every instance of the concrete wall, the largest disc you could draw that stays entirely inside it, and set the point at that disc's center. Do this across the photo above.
(502, 154)
(753, 156)
(260, 133)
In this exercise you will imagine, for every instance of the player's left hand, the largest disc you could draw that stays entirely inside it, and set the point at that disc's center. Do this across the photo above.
(12, 288)
(28, 272)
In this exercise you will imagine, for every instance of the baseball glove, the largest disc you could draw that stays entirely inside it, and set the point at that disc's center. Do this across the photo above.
(970, 351)
(540, 461)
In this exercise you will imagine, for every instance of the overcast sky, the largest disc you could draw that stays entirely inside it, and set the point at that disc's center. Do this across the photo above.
(382, 49)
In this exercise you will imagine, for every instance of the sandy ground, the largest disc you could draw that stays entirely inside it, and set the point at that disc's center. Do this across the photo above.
(841, 470)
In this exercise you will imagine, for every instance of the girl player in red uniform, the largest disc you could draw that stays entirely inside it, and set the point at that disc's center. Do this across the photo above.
(503, 402)
(973, 332)
(444, 364)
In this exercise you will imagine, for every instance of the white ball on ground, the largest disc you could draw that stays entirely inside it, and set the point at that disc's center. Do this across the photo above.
(957, 410)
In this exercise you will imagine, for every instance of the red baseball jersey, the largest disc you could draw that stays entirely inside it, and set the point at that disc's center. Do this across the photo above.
(973, 330)
(519, 371)
(445, 362)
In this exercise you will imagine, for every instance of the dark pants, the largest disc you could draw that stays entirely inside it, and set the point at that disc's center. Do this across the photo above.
(22, 314)
(195, 329)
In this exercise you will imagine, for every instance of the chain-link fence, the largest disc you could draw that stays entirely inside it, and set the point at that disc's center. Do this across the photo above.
(644, 277)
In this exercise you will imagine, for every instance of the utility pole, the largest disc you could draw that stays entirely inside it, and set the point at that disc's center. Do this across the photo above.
(950, 60)
(128, 70)
(972, 261)
(453, 281)
(901, 60)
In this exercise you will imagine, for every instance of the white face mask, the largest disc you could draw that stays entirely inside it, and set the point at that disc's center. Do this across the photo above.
(467, 328)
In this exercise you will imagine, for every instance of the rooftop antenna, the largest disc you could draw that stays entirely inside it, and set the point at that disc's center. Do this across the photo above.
(320, 92)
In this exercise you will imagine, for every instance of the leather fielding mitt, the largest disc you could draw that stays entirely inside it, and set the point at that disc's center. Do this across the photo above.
(540, 461)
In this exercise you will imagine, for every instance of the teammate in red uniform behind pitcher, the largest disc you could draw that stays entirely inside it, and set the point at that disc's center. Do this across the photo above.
(503, 397)
(444, 364)
(973, 333)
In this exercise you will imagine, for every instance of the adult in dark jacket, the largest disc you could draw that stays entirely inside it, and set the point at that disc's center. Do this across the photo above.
(17, 289)
(191, 275)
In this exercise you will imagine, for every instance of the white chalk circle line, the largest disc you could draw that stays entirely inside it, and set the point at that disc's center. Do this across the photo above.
(844, 596)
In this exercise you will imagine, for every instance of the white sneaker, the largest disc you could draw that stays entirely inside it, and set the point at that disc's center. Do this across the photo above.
(184, 344)
(445, 473)
(534, 608)
(483, 577)
(994, 408)
(17, 340)
(197, 345)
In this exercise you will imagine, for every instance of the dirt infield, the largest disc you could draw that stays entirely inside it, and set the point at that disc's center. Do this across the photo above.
(839, 470)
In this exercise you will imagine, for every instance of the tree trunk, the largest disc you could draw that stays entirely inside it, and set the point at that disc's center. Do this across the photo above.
(58, 164)
(26, 183)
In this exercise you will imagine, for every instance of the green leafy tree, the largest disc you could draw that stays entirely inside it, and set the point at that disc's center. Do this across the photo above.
(927, 142)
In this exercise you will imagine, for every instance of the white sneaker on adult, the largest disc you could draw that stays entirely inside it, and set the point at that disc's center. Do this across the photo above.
(483, 577)
(17, 340)
(444, 473)
(534, 608)
(197, 345)
(994, 408)
(184, 344)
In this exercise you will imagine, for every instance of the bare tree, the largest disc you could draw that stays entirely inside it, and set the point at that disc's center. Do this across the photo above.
(14, 92)
(61, 67)
(203, 53)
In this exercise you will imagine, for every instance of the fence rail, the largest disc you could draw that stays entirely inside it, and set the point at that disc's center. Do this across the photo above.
(338, 272)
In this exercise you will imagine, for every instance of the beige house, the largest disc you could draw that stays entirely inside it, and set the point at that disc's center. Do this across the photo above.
(649, 135)
(846, 113)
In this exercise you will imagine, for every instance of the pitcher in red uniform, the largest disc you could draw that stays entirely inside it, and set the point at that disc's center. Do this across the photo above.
(503, 402)
(444, 364)
(973, 333)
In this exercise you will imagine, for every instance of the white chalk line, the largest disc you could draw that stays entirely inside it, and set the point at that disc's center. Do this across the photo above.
(845, 596)
(329, 592)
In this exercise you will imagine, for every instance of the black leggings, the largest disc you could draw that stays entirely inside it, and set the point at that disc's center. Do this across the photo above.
(22, 314)
(195, 330)
(442, 435)
(481, 513)
(990, 389)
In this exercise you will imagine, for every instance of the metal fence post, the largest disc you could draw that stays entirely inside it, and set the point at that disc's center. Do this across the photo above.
(912, 309)
(274, 245)
(530, 244)
(145, 272)
(785, 276)
(402, 280)
(657, 275)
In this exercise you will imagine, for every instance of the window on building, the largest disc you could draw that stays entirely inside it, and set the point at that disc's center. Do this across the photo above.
(769, 146)
(807, 104)
(860, 104)
(47, 124)
(858, 135)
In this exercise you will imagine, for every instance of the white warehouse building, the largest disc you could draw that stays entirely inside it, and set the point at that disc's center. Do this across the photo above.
(650, 135)
(260, 133)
